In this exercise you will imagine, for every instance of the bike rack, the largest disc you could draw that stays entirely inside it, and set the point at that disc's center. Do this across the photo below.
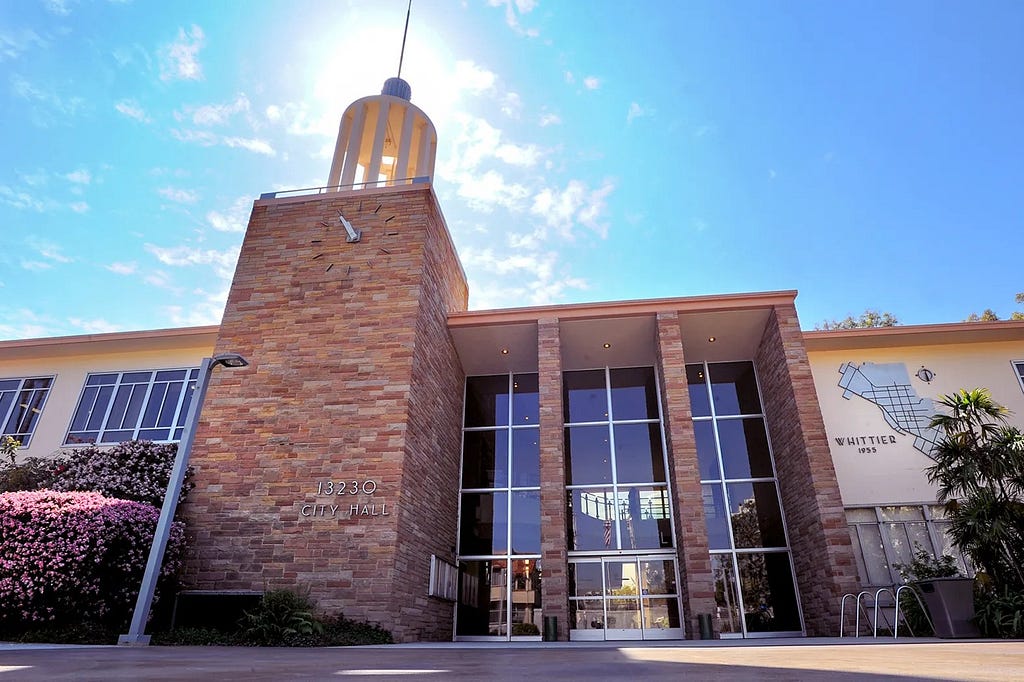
(862, 608)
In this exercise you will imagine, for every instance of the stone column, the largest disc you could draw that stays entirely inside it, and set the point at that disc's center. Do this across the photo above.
(697, 585)
(554, 557)
(818, 535)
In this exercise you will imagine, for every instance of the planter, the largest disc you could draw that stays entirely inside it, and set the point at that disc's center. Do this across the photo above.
(950, 604)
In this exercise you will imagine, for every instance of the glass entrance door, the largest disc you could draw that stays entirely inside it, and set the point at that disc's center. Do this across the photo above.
(622, 598)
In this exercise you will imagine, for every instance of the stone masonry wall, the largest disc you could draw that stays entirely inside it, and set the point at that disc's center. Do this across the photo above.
(343, 341)
(553, 523)
(697, 586)
(818, 535)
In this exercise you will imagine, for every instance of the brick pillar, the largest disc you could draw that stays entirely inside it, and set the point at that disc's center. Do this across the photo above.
(818, 535)
(553, 540)
(697, 586)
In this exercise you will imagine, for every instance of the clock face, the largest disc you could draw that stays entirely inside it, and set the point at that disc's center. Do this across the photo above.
(368, 215)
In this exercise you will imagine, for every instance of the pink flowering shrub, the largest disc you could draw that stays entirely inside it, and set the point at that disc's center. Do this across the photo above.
(133, 470)
(72, 557)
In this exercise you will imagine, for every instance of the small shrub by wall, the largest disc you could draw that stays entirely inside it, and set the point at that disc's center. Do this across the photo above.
(74, 557)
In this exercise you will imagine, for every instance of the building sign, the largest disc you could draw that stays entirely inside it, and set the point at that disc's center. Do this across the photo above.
(888, 387)
(865, 444)
(345, 500)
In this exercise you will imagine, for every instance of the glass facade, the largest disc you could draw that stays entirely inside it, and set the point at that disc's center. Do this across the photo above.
(622, 571)
(754, 583)
(499, 527)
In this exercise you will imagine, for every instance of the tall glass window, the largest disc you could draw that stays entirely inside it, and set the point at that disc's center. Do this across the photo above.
(754, 582)
(618, 506)
(499, 521)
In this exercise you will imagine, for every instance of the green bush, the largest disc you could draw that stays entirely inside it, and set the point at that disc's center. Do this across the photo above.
(1000, 613)
(280, 614)
(923, 567)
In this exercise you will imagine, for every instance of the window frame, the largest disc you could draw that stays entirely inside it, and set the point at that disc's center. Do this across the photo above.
(1018, 371)
(177, 420)
(9, 413)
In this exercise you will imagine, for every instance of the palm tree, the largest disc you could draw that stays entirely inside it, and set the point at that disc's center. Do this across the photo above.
(979, 469)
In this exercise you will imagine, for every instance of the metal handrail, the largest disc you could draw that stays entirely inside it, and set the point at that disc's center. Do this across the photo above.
(896, 627)
(338, 188)
(874, 623)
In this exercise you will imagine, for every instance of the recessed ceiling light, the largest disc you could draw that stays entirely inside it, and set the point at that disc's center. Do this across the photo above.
(504, 351)
(607, 345)
(711, 339)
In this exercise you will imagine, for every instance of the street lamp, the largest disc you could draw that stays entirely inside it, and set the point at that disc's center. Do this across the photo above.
(136, 633)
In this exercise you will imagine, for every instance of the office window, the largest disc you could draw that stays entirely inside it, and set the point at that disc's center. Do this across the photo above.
(144, 405)
(21, 403)
(1018, 367)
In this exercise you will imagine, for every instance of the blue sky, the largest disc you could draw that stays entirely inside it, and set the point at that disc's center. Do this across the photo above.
(867, 154)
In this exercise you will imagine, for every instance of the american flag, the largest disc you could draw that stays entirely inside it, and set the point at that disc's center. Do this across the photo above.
(608, 533)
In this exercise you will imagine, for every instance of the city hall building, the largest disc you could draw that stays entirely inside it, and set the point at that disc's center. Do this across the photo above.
(635, 470)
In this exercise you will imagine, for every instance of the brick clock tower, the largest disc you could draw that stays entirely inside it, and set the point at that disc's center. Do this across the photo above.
(331, 463)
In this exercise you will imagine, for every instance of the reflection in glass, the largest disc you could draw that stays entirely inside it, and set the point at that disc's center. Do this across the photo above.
(634, 393)
(586, 399)
(484, 527)
(657, 577)
(756, 519)
(485, 459)
(661, 614)
(621, 578)
(588, 455)
(623, 613)
(727, 605)
(700, 404)
(526, 522)
(638, 454)
(745, 451)
(525, 458)
(525, 399)
(487, 401)
(734, 388)
(586, 614)
(525, 590)
(707, 452)
(591, 519)
(769, 602)
(644, 518)
(715, 517)
(875, 564)
(585, 579)
(483, 602)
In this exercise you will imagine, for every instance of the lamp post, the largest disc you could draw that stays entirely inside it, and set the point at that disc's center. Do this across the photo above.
(136, 633)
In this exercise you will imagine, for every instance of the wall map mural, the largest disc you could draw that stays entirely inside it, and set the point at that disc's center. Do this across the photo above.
(888, 387)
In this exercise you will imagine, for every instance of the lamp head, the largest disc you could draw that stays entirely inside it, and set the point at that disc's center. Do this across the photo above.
(230, 360)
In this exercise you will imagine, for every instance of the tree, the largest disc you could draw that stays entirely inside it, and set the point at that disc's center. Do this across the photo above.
(987, 316)
(979, 469)
(869, 318)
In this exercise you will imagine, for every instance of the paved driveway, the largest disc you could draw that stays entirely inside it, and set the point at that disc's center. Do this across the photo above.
(824, 660)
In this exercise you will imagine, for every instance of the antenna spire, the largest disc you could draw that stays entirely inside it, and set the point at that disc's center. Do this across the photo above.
(401, 56)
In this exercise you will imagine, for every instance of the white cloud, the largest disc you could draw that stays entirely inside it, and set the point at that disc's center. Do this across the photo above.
(181, 196)
(472, 77)
(636, 111)
(222, 262)
(35, 265)
(530, 279)
(97, 326)
(253, 145)
(123, 268)
(57, 7)
(234, 219)
(48, 250)
(514, 10)
(561, 209)
(518, 155)
(79, 207)
(203, 137)
(12, 45)
(210, 310)
(482, 192)
(19, 199)
(180, 60)
(131, 109)
(591, 82)
(703, 130)
(64, 106)
(549, 120)
(217, 114)
(80, 177)
(569, 77)
(511, 104)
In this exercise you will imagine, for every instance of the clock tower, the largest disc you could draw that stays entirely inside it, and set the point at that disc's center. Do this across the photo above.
(331, 463)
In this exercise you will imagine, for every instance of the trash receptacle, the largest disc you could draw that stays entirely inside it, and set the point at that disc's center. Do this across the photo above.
(704, 623)
(550, 628)
(950, 604)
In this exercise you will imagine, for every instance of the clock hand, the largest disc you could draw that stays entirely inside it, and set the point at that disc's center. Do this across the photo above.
(353, 234)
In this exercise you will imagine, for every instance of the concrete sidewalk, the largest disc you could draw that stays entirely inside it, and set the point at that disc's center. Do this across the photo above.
(831, 660)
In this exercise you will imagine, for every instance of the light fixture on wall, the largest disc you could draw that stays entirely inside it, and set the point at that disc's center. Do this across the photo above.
(711, 339)
(607, 345)
(925, 374)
